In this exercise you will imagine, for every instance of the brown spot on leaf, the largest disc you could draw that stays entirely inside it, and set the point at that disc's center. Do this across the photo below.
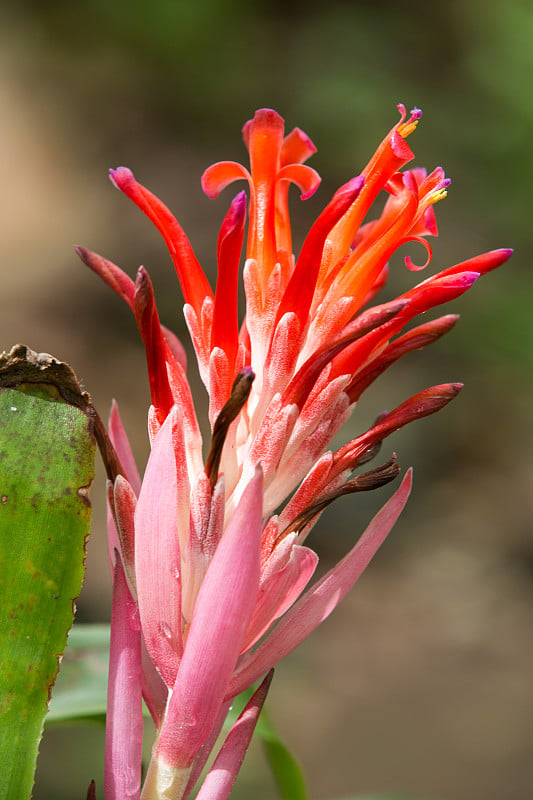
(84, 495)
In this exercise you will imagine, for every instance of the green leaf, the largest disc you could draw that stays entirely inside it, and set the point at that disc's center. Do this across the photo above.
(80, 692)
(285, 768)
(46, 469)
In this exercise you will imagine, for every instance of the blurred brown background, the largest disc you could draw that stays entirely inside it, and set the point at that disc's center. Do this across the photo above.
(421, 682)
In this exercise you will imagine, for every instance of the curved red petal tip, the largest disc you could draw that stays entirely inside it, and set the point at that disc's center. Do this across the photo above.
(403, 111)
(422, 404)
(313, 184)
(121, 176)
(219, 175)
(433, 398)
(456, 280)
(502, 255)
(355, 184)
(304, 177)
(465, 279)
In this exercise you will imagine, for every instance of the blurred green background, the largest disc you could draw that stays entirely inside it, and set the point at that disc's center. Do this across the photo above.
(421, 682)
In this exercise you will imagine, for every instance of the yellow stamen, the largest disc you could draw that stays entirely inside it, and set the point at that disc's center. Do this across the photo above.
(440, 194)
(405, 129)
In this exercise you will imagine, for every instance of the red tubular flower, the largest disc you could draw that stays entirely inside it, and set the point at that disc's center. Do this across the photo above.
(211, 556)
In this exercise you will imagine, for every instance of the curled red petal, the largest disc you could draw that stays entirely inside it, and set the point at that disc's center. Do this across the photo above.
(305, 178)
(409, 263)
(218, 176)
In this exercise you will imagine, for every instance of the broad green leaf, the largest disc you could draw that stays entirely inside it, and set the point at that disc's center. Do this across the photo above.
(46, 469)
(80, 692)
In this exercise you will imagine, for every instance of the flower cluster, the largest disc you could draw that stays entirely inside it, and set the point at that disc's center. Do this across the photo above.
(209, 559)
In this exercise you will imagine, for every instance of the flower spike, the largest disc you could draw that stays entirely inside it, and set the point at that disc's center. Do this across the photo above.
(210, 559)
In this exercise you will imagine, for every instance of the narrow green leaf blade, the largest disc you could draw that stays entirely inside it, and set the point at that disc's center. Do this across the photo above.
(46, 469)
(286, 770)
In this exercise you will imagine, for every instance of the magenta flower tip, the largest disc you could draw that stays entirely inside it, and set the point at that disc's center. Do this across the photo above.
(354, 185)
(239, 205)
(120, 177)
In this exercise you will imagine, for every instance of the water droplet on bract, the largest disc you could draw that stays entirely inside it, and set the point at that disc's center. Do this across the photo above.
(164, 630)
(134, 620)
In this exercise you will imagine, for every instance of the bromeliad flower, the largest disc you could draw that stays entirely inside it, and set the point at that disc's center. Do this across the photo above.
(210, 561)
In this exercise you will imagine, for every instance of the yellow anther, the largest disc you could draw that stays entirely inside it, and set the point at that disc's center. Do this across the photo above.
(406, 128)
(440, 194)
